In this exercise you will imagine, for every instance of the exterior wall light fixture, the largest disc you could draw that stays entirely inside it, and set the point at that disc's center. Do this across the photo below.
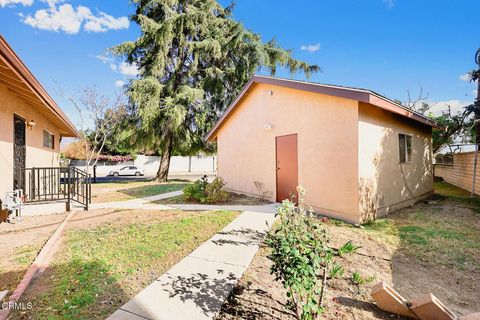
(31, 124)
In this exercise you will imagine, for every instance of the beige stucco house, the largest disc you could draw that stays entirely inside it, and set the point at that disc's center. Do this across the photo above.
(359, 155)
(31, 123)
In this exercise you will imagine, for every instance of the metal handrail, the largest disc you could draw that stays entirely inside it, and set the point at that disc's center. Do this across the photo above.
(46, 184)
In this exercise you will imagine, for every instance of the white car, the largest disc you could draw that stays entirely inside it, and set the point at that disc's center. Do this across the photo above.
(127, 171)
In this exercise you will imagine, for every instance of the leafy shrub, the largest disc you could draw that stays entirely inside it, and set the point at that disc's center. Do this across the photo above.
(194, 192)
(215, 193)
(204, 192)
(302, 261)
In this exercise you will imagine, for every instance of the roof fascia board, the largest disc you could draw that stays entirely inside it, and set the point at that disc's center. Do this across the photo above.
(18, 67)
(361, 95)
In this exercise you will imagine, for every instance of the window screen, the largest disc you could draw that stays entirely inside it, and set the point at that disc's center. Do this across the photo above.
(405, 147)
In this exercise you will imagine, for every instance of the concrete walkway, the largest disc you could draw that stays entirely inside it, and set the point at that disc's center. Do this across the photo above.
(197, 286)
(147, 203)
(40, 209)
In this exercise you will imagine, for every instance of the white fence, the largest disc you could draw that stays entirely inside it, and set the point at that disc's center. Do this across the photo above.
(198, 164)
(194, 164)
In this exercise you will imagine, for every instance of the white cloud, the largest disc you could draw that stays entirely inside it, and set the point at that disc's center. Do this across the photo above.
(119, 83)
(464, 77)
(104, 22)
(127, 69)
(26, 3)
(52, 3)
(65, 18)
(310, 47)
(68, 19)
(455, 105)
(104, 59)
(124, 68)
(474, 92)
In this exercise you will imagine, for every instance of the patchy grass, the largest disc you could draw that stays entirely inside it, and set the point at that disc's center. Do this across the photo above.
(99, 269)
(26, 254)
(445, 234)
(453, 193)
(126, 191)
(20, 244)
(14, 266)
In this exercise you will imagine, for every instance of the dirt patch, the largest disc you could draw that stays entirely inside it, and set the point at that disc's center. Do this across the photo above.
(20, 244)
(426, 248)
(448, 263)
(258, 296)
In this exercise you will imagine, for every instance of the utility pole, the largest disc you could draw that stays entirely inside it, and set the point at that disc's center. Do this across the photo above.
(476, 77)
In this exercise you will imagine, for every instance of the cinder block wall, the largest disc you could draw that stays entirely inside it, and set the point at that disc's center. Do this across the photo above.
(460, 174)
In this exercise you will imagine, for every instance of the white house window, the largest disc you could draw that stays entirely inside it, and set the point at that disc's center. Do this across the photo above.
(48, 140)
(405, 144)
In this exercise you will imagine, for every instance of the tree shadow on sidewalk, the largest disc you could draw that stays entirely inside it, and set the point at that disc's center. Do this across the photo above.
(206, 292)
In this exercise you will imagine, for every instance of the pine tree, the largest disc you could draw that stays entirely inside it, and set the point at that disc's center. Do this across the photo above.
(193, 59)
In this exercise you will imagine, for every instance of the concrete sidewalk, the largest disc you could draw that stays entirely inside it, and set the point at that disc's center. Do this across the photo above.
(197, 286)
(147, 203)
(40, 209)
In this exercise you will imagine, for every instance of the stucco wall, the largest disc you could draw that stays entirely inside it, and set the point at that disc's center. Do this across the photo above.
(36, 154)
(460, 174)
(327, 146)
(385, 184)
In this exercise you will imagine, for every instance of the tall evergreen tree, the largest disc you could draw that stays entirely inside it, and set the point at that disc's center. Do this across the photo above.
(193, 59)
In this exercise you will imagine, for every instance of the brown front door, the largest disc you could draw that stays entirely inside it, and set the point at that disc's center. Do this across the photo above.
(287, 167)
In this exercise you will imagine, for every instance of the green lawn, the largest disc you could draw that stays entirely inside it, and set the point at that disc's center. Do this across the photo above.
(99, 269)
(127, 191)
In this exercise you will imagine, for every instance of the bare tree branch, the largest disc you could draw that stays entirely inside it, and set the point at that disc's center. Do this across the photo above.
(98, 117)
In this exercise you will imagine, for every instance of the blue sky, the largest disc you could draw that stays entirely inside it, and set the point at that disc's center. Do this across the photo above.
(386, 46)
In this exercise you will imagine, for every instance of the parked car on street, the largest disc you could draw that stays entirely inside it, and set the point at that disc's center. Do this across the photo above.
(127, 171)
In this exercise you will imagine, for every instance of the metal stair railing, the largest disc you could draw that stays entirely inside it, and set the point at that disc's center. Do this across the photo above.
(50, 184)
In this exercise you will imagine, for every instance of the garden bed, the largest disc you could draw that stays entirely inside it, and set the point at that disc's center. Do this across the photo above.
(234, 199)
(426, 248)
(108, 256)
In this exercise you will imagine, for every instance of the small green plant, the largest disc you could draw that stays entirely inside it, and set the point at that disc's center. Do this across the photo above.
(359, 280)
(194, 192)
(336, 271)
(302, 261)
(204, 192)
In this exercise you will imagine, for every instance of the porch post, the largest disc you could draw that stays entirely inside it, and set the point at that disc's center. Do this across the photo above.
(32, 182)
(68, 189)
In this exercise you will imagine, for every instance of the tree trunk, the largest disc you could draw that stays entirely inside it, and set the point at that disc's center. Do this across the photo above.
(162, 173)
